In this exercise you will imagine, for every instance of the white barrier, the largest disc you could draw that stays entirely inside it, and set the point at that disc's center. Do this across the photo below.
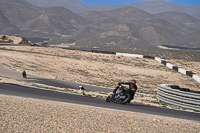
(170, 65)
(158, 59)
(181, 70)
(196, 77)
(130, 55)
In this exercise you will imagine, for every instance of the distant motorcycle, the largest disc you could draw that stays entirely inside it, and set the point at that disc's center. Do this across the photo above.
(123, 95)
(81, 87)
(24, 74)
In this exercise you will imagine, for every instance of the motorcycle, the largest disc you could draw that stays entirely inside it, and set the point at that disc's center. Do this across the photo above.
(81, 87)
(122, 95)
(24, 74)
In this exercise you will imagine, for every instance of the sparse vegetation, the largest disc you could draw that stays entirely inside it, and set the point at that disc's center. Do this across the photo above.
(5, 39)
(44, 44)
(96, 69)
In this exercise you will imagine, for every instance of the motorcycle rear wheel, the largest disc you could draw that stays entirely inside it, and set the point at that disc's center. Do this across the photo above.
(127, 99)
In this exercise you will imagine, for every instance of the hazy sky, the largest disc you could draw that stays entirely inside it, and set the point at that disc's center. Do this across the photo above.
(120, 2)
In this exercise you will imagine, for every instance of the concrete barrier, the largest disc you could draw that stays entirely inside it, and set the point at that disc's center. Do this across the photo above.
(130, 55)
(170, 65)
(158, 59)
(196, 77)
(181, 70)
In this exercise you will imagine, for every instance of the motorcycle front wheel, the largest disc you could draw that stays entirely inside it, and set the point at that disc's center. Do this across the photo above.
(109, 98)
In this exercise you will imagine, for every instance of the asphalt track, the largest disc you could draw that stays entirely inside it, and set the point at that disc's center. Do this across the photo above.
(22, 91)
(47, 81)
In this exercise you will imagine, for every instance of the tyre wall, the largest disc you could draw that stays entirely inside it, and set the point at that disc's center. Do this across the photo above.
(182, 97)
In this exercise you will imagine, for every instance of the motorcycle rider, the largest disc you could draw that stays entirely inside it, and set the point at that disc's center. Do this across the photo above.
(132, 86)
(81, 87)
(24, 74)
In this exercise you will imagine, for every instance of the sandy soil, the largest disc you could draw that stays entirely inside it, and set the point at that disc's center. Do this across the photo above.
(29, 115)
(96, 69)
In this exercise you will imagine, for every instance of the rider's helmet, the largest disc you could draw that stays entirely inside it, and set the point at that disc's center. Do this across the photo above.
(133, 81)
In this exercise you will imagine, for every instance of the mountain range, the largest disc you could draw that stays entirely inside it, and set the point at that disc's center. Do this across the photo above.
(152, 7)
(73, 5)
(123, 26)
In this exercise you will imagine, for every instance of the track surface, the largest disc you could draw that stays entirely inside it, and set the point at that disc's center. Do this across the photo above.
(17, 90)
(48, 81)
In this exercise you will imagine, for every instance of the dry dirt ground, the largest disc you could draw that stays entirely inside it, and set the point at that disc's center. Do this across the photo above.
(23, 115)
(98, 69)
(95, 69)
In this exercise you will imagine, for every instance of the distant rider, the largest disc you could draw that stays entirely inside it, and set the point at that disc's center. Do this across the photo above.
(81, 87)
(24, 74)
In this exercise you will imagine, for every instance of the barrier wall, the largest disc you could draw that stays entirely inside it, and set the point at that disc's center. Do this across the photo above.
(179, 96)
(130, 55)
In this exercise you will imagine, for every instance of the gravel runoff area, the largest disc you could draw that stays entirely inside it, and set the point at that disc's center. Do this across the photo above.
(24, 115)
(29, 115)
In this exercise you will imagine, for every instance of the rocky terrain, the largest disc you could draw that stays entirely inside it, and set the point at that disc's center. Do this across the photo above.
(10, 39)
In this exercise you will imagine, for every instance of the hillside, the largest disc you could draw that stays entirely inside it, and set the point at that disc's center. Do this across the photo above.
(18, 11)
(181, 20)
(73, 5)
(125, 28)
(33, 21)
(155, 7)
(129, 29)
(56, 20)
(152, 7)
